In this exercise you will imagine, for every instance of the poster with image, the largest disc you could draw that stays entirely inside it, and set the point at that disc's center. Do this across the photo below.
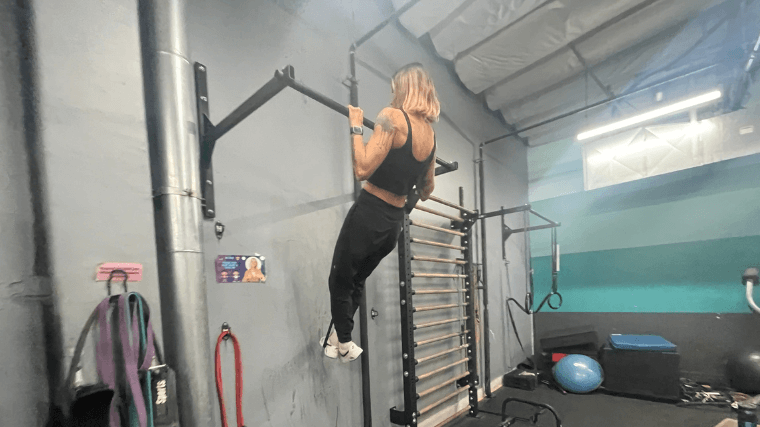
(241, 269)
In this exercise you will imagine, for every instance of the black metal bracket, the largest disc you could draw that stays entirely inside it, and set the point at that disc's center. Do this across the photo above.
(209, 133)
(466, 380)
(470, 284)
(445, 167)
(506, 232)
(399, 417)
(409, 415)
(205, 128)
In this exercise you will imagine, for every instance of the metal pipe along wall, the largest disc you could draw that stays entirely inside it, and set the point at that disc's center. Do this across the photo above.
(175, 172)
(484, 276)
(363, 326)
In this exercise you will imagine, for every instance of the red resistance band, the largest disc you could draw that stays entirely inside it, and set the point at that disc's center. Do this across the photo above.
(238, 378)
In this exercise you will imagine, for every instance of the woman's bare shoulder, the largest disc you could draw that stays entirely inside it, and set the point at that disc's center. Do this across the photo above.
(391, 119)
(394, 114)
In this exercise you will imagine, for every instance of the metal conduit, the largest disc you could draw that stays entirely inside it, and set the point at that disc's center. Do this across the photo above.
(174, 164)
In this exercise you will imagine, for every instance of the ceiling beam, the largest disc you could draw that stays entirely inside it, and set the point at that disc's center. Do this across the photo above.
(451, 16)
(594, 105)
(383, 24)
(665, 33)
(639, 7)
(602, 86)
(498, 32)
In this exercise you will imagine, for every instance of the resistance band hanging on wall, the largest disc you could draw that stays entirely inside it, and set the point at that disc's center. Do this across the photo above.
(224, 336)
(134, 387)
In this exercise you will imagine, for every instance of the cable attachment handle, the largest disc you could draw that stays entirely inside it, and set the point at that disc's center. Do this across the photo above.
(110, 277)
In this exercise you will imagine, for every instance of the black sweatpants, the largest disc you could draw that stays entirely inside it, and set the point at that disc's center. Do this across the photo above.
(369, 233)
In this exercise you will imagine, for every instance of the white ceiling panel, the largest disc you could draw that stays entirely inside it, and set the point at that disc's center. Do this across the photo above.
(641, 26)
(621, 36)
(513, 49)
(426, 14)
(478, 21)
(565, 98)
(538, 35)
(519, 54)
(637, 68)
(561, 67)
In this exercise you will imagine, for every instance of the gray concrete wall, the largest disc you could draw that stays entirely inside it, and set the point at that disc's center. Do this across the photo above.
(283, 186)
(506, 186)
(22, 292)
(96, 172)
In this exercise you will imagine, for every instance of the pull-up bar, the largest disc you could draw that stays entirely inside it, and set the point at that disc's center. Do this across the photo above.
(210, 133)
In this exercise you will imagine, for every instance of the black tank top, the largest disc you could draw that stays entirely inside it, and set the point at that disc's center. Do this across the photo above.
(400, 171)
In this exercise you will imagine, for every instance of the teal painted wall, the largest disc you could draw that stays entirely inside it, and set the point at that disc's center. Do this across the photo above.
(693, 277)
(672, 243)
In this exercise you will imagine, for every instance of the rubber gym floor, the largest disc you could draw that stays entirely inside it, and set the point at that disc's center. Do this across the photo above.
(592, 410)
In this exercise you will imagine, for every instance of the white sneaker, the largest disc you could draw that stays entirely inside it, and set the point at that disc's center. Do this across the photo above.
(331, 349)
(348, 351)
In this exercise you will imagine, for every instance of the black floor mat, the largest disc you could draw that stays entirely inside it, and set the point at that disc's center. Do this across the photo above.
(597, 409)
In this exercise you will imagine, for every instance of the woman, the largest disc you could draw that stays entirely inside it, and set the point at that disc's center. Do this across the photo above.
(253, 272)
(399, 155)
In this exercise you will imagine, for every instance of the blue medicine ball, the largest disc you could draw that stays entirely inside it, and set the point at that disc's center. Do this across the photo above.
(578, 374)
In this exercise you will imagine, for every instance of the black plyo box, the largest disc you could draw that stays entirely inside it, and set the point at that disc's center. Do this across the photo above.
(521, 378)
(580, 336)
(653, 374)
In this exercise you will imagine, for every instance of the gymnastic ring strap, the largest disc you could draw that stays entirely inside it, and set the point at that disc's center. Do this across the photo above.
(547, 300)
(238, 378)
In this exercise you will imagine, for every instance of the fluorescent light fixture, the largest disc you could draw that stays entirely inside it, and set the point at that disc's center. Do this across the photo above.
(663, 111)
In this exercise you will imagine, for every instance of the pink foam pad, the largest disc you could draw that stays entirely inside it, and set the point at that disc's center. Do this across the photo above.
(133, 269)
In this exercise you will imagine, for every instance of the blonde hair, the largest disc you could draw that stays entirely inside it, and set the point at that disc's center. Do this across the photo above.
(413, 90)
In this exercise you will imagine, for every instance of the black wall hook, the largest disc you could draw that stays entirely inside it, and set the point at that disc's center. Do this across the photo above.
(226, 330)
(219, 230)
(110, 277)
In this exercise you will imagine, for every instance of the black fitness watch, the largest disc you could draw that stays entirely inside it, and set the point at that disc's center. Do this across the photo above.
(357, 130)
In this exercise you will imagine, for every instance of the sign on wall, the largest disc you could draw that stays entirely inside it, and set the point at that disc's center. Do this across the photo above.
(241, 268)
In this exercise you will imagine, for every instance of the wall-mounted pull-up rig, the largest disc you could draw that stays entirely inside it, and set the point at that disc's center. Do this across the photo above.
(210, 133)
